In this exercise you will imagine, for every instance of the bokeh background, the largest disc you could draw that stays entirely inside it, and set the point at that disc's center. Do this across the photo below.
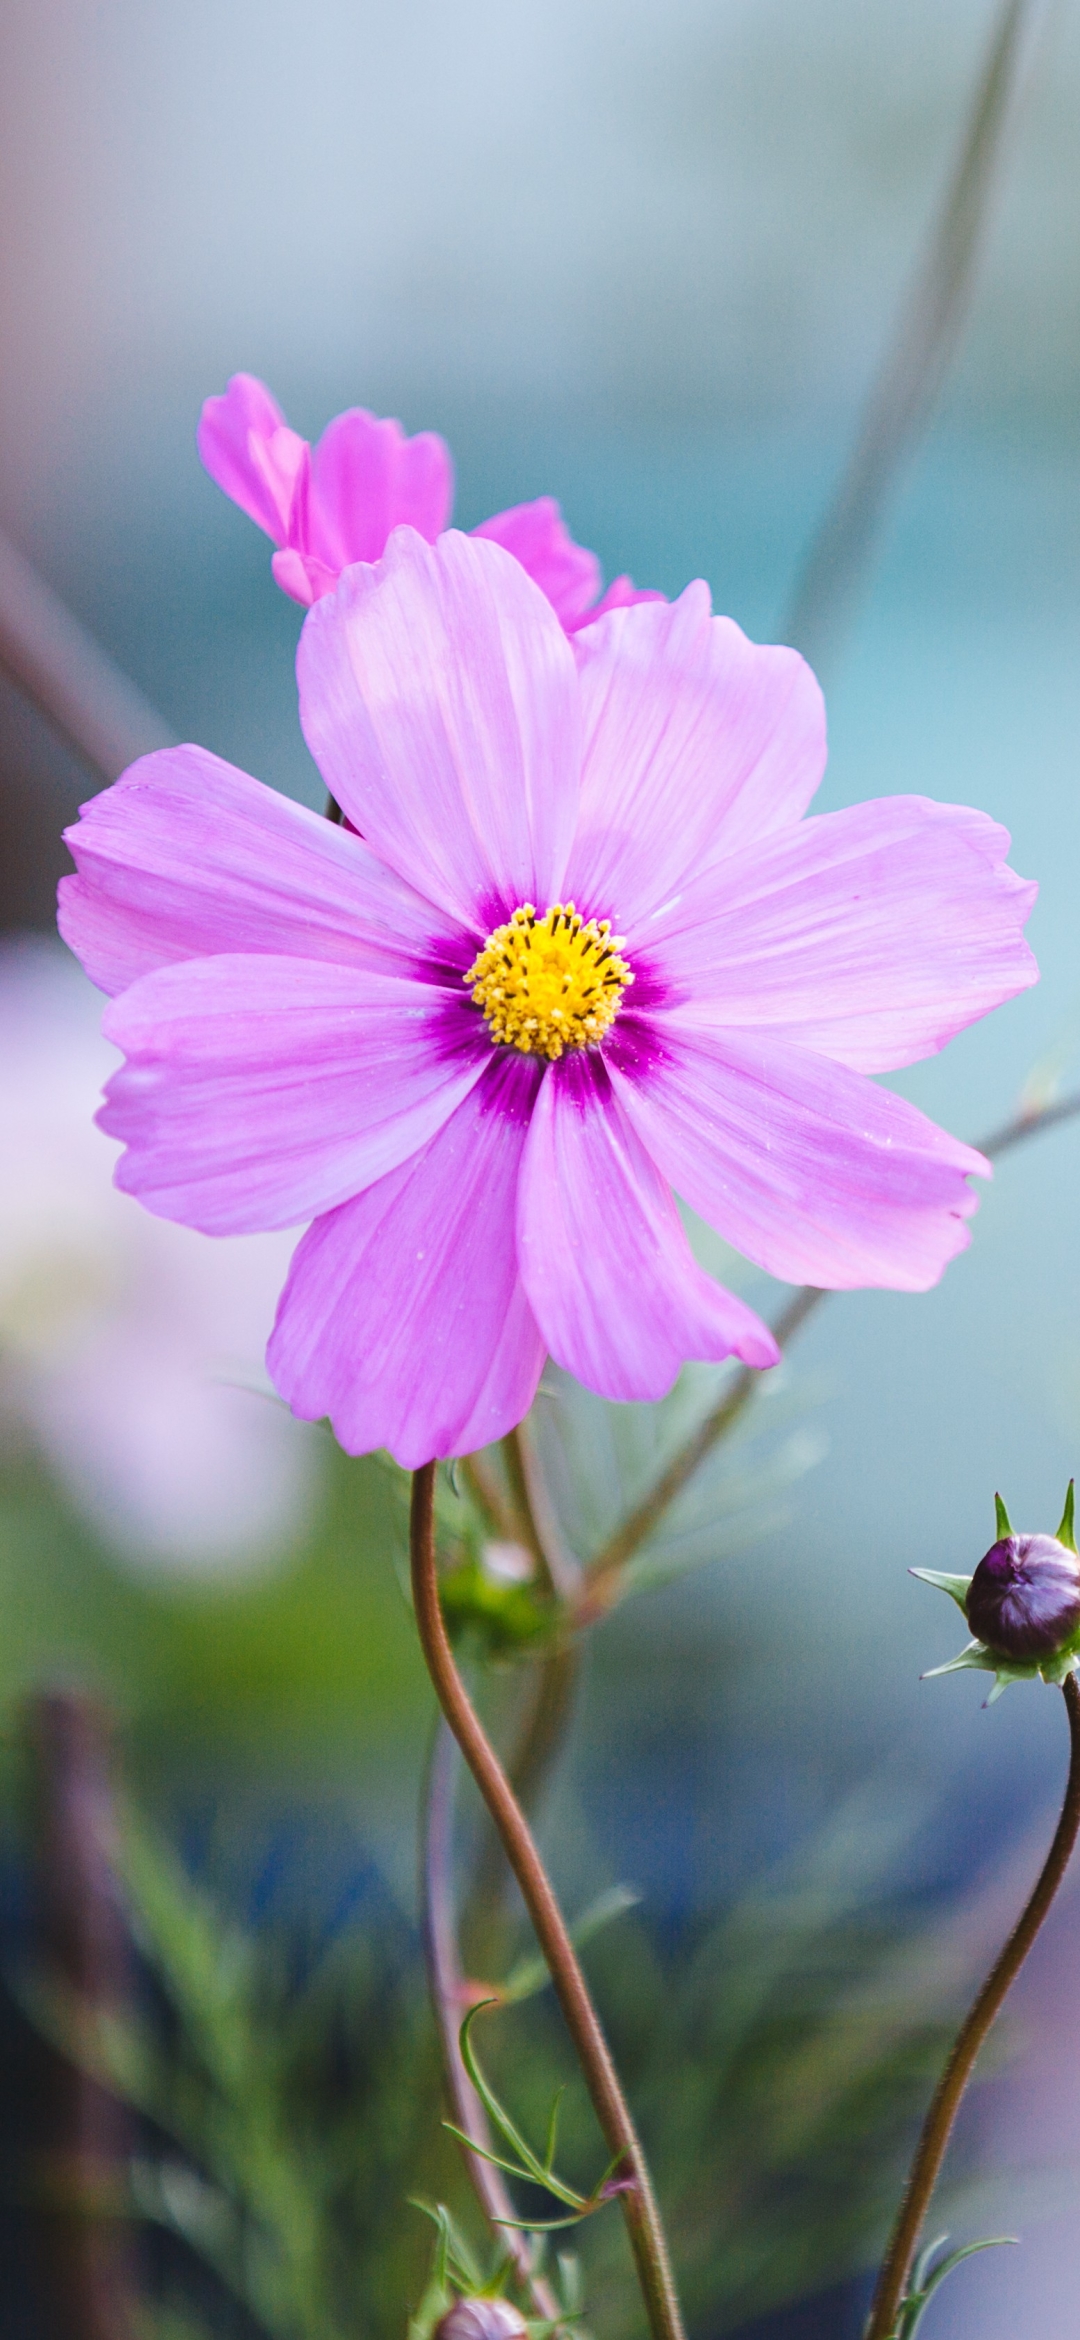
(643, 257)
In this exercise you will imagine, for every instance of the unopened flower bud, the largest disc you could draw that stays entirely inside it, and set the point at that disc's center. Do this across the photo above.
(1024, 1598)
(1022, 1604)
(481, 2319)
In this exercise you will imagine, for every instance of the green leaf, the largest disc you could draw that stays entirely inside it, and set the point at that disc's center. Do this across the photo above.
(549, 2225)
(1067, 1532)
(1004, 1523)
(529, 2165)
(513, 2169)
(925, 2282)
(453, 2256)
(925, 2261)
(553, 2127)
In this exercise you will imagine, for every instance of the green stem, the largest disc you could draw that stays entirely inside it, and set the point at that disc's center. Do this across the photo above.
(646, 2232)
(929, 2153)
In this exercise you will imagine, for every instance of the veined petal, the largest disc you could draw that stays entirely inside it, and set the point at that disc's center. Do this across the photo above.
(248, 449)
(870, 935)
(808, 1169)
(258, 1091)
(367, 478)
(439, 699)
(185, 857)
(697, 743)
(539, 538)
(403, 1318)
(613, 1283)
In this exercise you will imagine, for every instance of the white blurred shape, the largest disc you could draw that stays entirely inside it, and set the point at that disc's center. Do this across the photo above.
(130, 1348)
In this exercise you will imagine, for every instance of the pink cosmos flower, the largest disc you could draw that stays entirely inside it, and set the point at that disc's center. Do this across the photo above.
(481, 1096)
(330, 505)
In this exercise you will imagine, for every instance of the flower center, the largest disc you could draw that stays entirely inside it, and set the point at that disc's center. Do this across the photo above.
(550, 983)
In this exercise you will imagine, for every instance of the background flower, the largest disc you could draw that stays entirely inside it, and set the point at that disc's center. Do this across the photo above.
(123, 1339)
(328, 505)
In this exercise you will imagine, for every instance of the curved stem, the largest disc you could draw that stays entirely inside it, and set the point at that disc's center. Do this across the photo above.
(930, 2150)
(449, 1996)
(533, 1756)
(642, 2216)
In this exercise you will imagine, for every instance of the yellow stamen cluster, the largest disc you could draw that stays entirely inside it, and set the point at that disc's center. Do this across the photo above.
(551, 983)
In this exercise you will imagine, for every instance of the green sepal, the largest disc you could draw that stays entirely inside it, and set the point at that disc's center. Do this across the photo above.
(955, 1586)
(1067, 1533)
(1004, 1523)
(976, 1658)
(1056, 1669)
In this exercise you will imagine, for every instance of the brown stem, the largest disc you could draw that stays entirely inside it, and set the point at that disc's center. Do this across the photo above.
(450, 1999)
(929, 2152)
(528, 1769)
(642, 2216)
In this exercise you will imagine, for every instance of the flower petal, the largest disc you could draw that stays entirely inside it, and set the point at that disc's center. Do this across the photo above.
(258, 1091)
(367, 478)
(248, 449)
(697, 742)
(871, 935)
(613, 1283)
(300, 576)
(539, 538)
(403, 1318)
(622, 593)
(439, 698)
(185, 856)
(809, 1169)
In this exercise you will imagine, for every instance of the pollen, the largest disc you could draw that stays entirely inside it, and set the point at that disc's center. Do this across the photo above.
(549, 983)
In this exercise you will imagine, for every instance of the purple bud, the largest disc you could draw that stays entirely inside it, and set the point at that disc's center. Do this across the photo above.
(1024, 1598)
(481, 2319)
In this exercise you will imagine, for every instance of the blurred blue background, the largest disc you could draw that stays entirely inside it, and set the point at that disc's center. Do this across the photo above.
(642, 257)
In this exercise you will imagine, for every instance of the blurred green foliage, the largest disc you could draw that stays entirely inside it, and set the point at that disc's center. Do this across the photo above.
(287, 2072)
(294, 2106)
(320, 1652)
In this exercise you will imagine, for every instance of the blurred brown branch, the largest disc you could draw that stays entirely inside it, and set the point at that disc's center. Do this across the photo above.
(925, 337)
(83, 2175)
(66, 674)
